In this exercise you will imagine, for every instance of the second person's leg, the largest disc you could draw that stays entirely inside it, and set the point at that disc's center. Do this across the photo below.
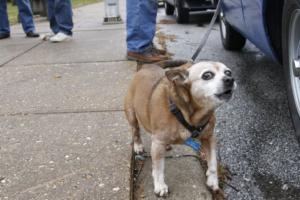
(4, 23)
(63, 15)
(51, 15)
(26, 17)
(60, 16)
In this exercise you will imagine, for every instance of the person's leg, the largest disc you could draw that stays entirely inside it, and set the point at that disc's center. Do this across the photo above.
(51, 16)
(132, 25)
(63, 15)
(4, 23)
(26, 15)
(141, 24)
(148, 21)
(141, 27)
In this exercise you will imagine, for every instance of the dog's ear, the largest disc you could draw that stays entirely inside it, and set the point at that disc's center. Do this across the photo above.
(177, 76)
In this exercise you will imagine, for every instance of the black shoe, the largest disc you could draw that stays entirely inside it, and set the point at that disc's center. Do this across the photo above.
(4, 35)
(32, 34)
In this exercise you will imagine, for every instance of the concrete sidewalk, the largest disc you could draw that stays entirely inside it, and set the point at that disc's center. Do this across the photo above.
(63, 133)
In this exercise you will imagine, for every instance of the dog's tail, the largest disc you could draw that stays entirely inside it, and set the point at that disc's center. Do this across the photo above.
(172, 63)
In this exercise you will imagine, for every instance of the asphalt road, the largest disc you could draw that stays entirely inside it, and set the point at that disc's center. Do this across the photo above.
(255, 133)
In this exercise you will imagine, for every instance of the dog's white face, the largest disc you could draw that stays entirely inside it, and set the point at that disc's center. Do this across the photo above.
(212, 81)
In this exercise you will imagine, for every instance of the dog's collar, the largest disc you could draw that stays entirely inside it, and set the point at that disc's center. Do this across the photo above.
(195, 131)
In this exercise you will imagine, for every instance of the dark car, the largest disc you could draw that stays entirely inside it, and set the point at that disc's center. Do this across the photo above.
(182, 8)
(274, 27)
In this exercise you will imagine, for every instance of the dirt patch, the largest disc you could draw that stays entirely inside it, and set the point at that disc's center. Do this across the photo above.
(138, 187)
(162, 40)
(167, 21)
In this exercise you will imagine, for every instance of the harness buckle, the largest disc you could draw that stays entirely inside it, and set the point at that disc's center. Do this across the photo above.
(173, 109)
(195, 133)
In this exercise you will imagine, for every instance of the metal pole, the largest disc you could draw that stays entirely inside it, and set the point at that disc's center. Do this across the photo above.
(112, 14)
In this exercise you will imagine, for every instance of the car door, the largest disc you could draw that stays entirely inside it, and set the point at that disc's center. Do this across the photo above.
(254, 21)
(234, 14)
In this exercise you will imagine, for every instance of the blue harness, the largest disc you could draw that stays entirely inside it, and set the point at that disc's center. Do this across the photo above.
(195, 131)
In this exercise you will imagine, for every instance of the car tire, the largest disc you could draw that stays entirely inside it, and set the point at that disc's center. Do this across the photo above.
(291, 54)
(182, 14)
(169, 9)
(231, 39)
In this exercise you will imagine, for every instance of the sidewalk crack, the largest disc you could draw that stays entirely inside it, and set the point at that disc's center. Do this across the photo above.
(20, 54)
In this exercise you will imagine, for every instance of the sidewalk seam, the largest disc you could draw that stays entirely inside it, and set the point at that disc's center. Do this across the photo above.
(79, 30)
(60, 112)
(69, 63)
(20, 54)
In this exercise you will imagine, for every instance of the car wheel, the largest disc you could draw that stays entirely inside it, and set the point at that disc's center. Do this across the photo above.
(181, 13)
(291, 57)
(169, 9)
(231, 39)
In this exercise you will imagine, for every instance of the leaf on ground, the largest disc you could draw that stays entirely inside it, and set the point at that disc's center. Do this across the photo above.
(57, 76)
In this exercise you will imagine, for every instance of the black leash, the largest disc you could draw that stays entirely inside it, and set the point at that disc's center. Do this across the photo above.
(205, 37)
(195, 131)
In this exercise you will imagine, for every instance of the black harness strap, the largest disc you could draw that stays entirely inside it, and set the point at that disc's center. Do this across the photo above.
(195, 131)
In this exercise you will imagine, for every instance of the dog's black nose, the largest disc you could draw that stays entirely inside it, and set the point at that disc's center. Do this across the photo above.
(228, 81)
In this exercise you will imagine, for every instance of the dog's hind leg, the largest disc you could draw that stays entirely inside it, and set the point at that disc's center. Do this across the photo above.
(133, 122)
(158, 165)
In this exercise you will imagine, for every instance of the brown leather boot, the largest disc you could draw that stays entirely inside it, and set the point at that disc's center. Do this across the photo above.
(159, 51)
(148, 57)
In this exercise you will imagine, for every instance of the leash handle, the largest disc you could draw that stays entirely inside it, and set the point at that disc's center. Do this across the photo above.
(205, 37)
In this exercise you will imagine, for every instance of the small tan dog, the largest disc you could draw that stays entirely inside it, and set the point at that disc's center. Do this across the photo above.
(197, 90)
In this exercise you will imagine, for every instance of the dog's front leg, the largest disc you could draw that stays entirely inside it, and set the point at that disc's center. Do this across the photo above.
(158, 165)
(212, 171)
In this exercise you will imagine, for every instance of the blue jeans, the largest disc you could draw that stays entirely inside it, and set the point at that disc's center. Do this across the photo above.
(141, 24)
(25, 16)
(60, 16)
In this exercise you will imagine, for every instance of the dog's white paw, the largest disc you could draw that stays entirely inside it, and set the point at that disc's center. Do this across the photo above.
(138, 148)
(208, 173)
(212, 180)
(161, 190)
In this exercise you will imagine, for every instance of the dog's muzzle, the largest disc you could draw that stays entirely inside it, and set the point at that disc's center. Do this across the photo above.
(228, 89)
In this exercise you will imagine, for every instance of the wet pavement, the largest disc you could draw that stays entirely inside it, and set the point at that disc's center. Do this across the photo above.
(255, 132)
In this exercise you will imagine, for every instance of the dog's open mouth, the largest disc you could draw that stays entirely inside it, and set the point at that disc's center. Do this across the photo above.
(225, 95)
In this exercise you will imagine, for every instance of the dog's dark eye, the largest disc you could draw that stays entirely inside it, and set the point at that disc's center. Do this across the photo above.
(228, 73)
(208, 75)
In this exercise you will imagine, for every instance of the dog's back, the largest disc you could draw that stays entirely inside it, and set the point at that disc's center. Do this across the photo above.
(140, 91)
(144, 82)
